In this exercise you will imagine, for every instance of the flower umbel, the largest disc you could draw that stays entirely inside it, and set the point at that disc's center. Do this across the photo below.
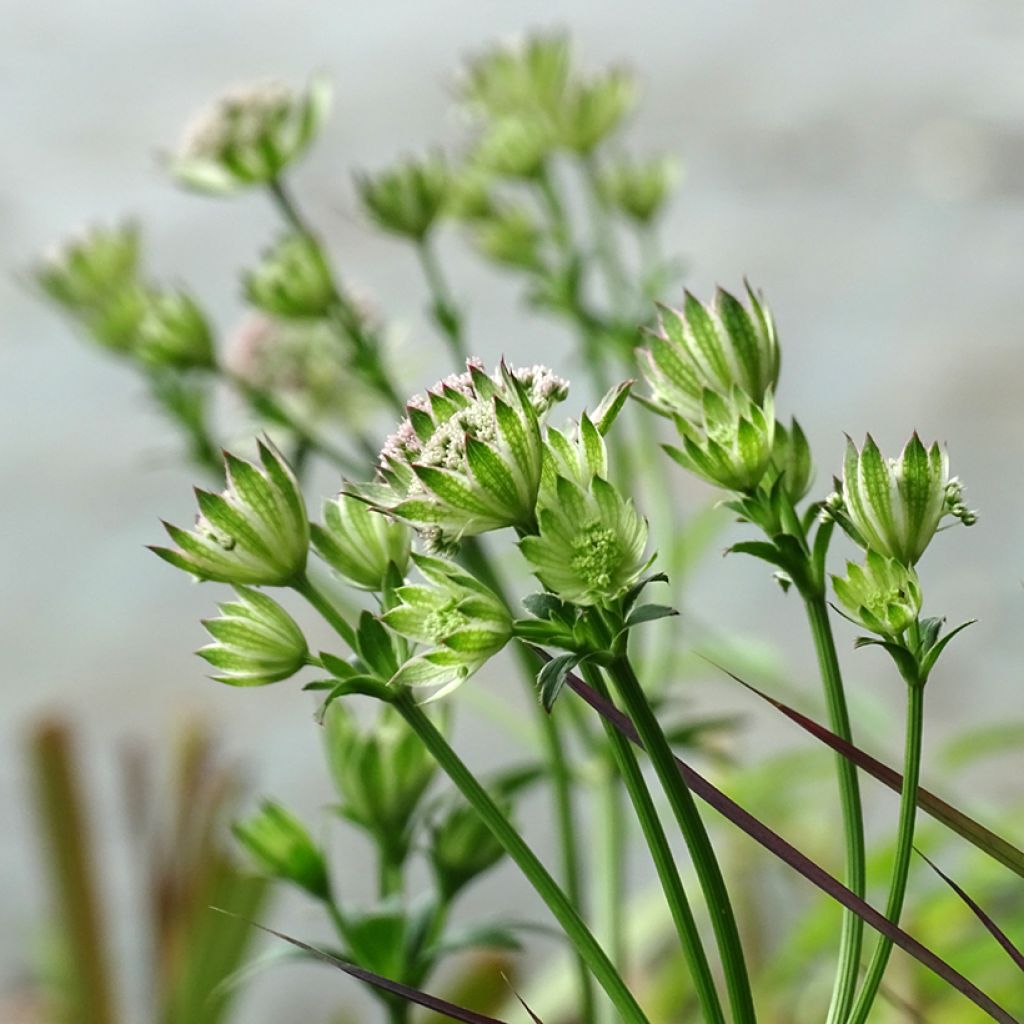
(172, 331)
(249, 136)
(283, 848)
(256, 641)
(718, 347)
(732, 445)
(638, 189)
(882, 595)
(361, 544)
(468, 457)
(462, 622)
(254, 533)
(895, 506)
(591, 541)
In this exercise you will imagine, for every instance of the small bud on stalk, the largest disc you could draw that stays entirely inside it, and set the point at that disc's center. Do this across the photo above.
(407, 199)
(284, 849)
(882, 595)
(293, 281)
(255, 533)
(638, 189)
(256, 641)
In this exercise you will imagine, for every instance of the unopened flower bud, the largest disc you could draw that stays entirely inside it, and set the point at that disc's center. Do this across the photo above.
(791, 460)
(462, 847)
(255, 533)
(883, 595)
(284, 849)
(293, 281)
(249, 136)
(895, 506)
(510, 236)
(515, 147)
(256, 641)
(594, 109)
(731, 446)
(638, 189)
(360, 544)
(173, 332)
(407, 199)
(84, 272)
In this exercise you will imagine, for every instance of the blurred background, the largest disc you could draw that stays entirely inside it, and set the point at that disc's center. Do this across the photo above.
(862, 164)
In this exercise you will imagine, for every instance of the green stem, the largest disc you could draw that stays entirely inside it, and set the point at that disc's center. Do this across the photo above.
(389, 874)
(664, 862)
(604, 238)
(709, 874)
(609, 867)
(852, 933)
(514, 845)
(559, 772)
(322, 604)
(341, 313)
(446, 313)
(904, 851)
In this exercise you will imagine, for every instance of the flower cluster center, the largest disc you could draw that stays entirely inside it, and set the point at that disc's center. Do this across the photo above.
(596, 554)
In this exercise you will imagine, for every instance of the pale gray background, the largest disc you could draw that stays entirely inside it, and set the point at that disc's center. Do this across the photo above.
(863, 163)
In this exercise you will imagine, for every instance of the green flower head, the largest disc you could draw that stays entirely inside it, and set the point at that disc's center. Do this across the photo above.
(172, 331)
(718, 347)
(882, 595)
(731, 446)
(526, 75)
(638, 189)
(407, 199)
(284, 849)
(381, 773)
(360, 544)
(468, 457)
(462, 847)
(83, 273)
(293, 281)
(249, 136)
(515, 146)
(510, 236)
(591, 542)
(256, 641)
(255, 533)
(461, 622)
(895, 506)
(595, 108)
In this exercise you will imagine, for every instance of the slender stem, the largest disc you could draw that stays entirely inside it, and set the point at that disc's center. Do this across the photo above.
(604, 237)
(322, 604)
(609, 865)
(709, 874)
(389, 874)
(852, 932)
(515, 846)
(446, 313)
(342, 313)
(904, 851)
(664, 862)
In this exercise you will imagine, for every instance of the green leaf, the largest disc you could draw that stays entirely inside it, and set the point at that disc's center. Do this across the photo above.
(375, 646)
(648, 613)
(610, 406)
(551, 678)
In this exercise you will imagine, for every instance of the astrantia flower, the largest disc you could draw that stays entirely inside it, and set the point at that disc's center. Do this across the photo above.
(894, 506)
(515, 147)
(255, 533)
(173, 331)
(283, 848)
(461, 622)
(731, 446)
(468, 457)
(360, 543)
(638, 189)
(86, 271)
(594, 109)
(293, 281)
(591, 542)
(249, 136)
(256, 641)
(407, 199)
(882, 595)
(718, 347)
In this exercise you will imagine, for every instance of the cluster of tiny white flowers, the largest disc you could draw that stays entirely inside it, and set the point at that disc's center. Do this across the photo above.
(238, 118)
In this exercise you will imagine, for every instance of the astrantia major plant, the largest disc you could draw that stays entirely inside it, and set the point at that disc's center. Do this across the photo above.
(420, 603)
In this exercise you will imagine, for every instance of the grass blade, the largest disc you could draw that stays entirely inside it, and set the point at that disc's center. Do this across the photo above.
(993, 929)
(998, 848)
(800, 862)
